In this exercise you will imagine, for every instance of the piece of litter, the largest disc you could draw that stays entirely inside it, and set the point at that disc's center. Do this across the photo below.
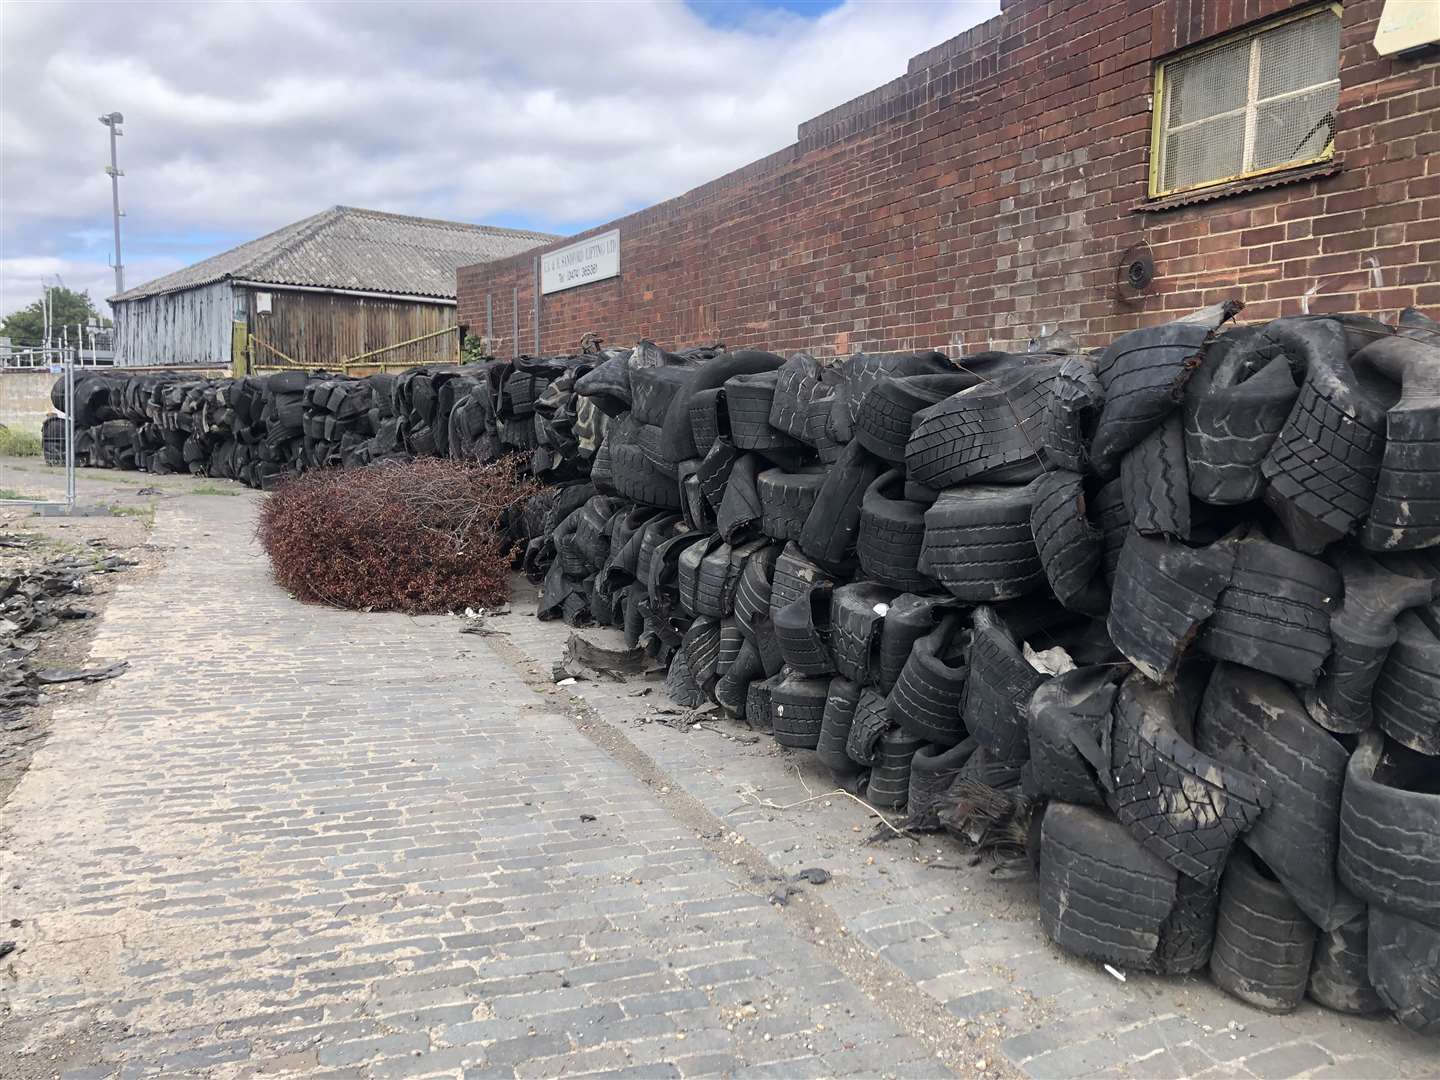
(882, 610)
(566, 682)
(1116, 972)
(587, 817)
(815, 875)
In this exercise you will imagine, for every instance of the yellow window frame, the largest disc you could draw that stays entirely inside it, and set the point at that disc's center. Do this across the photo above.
(1157, 119)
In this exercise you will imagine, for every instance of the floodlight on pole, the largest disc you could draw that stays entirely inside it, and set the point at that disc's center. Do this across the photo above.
(113, 121)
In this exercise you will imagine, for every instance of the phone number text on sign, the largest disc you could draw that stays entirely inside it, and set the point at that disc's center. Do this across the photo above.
(594, 259)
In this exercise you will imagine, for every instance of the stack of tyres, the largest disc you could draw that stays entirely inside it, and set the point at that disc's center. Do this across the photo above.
(1176, 598)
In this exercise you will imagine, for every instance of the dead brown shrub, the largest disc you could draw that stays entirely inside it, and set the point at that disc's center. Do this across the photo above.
(424, 536)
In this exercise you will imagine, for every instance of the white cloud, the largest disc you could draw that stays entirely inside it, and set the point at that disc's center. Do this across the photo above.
(243, 117)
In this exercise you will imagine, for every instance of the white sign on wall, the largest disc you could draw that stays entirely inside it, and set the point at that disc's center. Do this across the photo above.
(589, 260)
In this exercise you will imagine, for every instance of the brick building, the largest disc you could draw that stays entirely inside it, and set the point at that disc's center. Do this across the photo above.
(1012, 181)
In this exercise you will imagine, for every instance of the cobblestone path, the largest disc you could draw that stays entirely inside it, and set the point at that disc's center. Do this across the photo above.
(298, 841)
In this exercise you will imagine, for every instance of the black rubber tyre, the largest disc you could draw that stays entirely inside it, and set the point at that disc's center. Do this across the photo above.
(797, 383)
(1323, 465)
(1274, 614)
(1263, 942)
(678, 441)
(1390, 830)
(1407, 690)
(831, 531)
(863, 370)
(1154, 482)
(1163, 594)
(1064, 714)
(1405, 969)
(1185, 806)
(839, 714)
(687, 578)
(740, 512)
(909, 618)
(637, 479)
(802, 628)
(983, 768)
(758, 707)
(926, 699)
(867, 727)
(892, 531)
(979, 545)
(1143, 374)
(648, 438)
(682, 686)
(1234, 407)
(1071, 549)
(857, 613)
(1362, 631)
(991, 431)
(714, 471)
(1112, 518)
(998, 689)
(748, 399)
(652, 389)
(786, 499)
(797, 708)
(1406, 512)
(1102, 895)
(732, 689)
(887, 413)
(731, 642)
(889, 784)
(793, 577)
(752, 593)
(1255, 723)
(702, 648)
(932, 770)
(1340, 971)
(706, 409)
(719, 575)
(1075, 400)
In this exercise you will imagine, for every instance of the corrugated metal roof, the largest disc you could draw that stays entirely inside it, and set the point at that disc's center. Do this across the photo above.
(348, 248)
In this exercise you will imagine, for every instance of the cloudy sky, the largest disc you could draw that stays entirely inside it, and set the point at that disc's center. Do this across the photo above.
(244, 117)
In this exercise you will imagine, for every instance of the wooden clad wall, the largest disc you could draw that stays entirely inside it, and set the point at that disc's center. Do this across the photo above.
(322, 329)
(187, 327)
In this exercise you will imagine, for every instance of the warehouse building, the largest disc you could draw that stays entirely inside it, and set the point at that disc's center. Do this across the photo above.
(1087, 165)
(342, 284)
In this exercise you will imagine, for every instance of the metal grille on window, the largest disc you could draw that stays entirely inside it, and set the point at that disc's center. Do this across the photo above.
(1251, 105)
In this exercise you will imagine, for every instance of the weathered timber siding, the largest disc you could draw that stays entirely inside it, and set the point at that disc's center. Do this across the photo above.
(322, 329)
(187, 327)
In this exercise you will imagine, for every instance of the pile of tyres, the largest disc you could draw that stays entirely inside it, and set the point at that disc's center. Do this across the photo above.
(263, 428)
(1175, 598)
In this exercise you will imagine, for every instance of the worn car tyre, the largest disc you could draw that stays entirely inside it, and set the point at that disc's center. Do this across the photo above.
(1274, 614)
(1255, 722)
(887, 413)
(1405, 969)
(998, 689)
(867, 726)
(652, 389)
(932, 770)
(839, 714)
(1340, 971)
(833, 527)
(636, 478)
(857, 614)
(1071, 549)
(892, 532)
(732, 689)
(786, 499)
(792, 578)
(979, 544)
(1406, 698)
(752, 593)
(1163, 594)
(1182, 804)
(1064, 721)
(1390, 830)
(909, 618)
(992, 431)
(1075, 401)
(797, 708)
(748, 399)
(802, 627)
(926, 699)
(1154, 482)
(1263, 942)
(889, 784)
(1406, 511)
(1112, 518)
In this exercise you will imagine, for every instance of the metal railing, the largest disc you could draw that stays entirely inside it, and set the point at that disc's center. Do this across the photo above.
(11, 485)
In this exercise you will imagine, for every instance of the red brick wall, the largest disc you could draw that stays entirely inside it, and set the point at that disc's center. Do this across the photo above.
(989, 193)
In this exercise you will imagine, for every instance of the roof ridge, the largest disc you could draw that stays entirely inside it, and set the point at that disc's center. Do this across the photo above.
(444, 222)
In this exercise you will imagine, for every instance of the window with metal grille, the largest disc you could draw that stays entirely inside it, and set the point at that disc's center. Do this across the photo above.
(1250, 103)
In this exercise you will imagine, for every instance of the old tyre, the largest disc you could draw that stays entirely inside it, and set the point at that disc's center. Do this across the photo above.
(1163, 593)
(758, 712)
(857, 613)
(833, 527)
(998, 689)
(1070, 547)
(1064, 721)
(732, 689)
(926, 699)
(797, 707)
(752, 593)
(839, 714)
(892, 532)
(793, 577)
(786, 499)
(867, 727)
(1184, 805)
(1263, 942)
(1254, 722)
(1154, 482)
(1075, 400)
(1390, 830)
(1112, 518)
(1407, 689)
(1340, 971)
(748, 399)
(889, 785)
(909, 618)
(1406, 511)
(992, 431)
(637, 479)
(887, 413)
(1274, 614)
(1405, 969)
(932, 770)
(652, 389)
(979, 545)
(802, 628)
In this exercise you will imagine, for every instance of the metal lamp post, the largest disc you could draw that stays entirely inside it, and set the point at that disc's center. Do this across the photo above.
(113, 121)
